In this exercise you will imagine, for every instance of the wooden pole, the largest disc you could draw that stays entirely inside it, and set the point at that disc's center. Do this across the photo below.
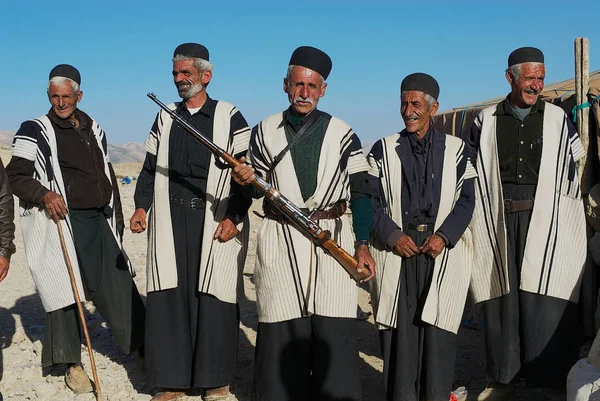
(80, 310)
(582, 87)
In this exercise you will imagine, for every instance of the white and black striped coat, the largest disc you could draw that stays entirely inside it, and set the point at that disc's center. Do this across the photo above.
(293, 276)
(40, 235)
(452, 206)
(556, 244)
(221, 263)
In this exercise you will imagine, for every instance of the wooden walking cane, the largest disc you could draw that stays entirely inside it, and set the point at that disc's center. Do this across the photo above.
(80, 310)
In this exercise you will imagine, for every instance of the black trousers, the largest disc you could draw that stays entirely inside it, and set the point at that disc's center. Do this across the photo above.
(530, 335)
(191, 338)
(418, 357)
(307, 359)
(109, 286)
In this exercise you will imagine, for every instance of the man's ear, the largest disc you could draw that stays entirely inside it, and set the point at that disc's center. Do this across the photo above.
(323, 89)
(79, 96)
(285, 85)
(206, 77)
(434, 108)
(510, 77)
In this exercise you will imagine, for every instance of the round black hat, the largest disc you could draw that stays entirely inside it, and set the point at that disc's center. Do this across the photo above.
(525, 55)
(312, 58)
(192, 50)
(421, 82)
(66, 71)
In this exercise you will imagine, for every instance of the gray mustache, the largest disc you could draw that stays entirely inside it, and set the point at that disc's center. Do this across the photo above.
(301, 99)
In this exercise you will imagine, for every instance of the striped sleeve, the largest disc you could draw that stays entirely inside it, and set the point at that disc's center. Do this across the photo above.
(374, 159)
(459, 218)
(151, 143)
(352, 156)
(574, 141)
(239, 133)
(104, 143)
(25, 141)
(257, 153)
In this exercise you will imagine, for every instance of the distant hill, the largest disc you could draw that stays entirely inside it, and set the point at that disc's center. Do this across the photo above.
(127, 152)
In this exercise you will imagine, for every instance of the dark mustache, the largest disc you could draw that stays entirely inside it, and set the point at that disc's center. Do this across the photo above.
(531, 91)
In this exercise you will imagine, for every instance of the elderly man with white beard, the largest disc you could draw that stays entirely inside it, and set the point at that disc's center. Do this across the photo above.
(194, 263)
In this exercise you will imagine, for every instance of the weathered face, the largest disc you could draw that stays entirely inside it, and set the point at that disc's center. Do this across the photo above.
(188, 80)
(64, 99)
(526, 89)
(304, 88)
(415, 111)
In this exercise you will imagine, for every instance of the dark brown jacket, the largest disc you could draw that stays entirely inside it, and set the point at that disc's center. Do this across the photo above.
(7, 216)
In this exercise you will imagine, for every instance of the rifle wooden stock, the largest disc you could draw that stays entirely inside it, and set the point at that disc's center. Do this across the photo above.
(293, 213)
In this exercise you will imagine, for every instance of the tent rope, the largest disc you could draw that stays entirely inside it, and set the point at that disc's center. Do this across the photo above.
(582, 106)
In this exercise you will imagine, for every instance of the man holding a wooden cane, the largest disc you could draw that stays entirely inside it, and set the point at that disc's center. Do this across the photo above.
(60, 172)
(307, 343)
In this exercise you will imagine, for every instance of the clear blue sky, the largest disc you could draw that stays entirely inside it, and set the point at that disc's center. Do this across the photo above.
(124, 48)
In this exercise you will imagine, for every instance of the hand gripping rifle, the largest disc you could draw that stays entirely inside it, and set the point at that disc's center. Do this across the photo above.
(292, 212)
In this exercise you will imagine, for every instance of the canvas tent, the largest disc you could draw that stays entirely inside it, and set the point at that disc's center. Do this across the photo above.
(458, 122)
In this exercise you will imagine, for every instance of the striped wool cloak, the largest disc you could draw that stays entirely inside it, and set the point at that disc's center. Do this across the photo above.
(452, 269)
(40, 234)
(294, 277)
(221, 264)
(555, 249)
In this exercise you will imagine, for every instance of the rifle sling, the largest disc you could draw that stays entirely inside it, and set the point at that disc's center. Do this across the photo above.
(308, 123)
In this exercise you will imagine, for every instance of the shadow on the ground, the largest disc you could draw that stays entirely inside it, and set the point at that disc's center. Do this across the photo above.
(7, 331)
(32, 315)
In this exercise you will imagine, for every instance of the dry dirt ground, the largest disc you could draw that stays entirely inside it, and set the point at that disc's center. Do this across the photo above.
(22, 323)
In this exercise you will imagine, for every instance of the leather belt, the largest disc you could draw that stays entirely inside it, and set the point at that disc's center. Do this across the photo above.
(334, 212)
(420, 227)
(514, 206)
(192, 203)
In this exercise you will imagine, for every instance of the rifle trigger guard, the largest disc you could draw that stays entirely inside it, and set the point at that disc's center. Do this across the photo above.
(221, 164)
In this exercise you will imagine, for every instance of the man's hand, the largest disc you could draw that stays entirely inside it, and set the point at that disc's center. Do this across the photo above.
(433, 246)
(137, 223)
(4, 263)
(365, 261)
(55, 205)
(243, 174)
(226, 230)
(406, 247)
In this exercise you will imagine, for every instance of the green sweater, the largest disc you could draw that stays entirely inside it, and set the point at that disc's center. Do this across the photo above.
(305, 155)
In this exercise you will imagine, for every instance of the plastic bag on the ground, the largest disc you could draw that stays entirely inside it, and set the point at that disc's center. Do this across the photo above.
(460, 394)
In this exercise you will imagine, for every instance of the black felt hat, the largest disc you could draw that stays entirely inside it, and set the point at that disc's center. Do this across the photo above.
(421, 82)
(66, 71)
(194, 50)
(312, 58)
(525, 55)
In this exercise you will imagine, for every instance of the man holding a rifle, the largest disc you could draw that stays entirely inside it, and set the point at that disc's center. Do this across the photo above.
(306, 344)
(194, 263)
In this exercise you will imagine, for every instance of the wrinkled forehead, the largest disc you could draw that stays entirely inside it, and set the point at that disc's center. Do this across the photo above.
(187, 64)
(300, 73)
(533, 69)
(412, 96)
(62, 88)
